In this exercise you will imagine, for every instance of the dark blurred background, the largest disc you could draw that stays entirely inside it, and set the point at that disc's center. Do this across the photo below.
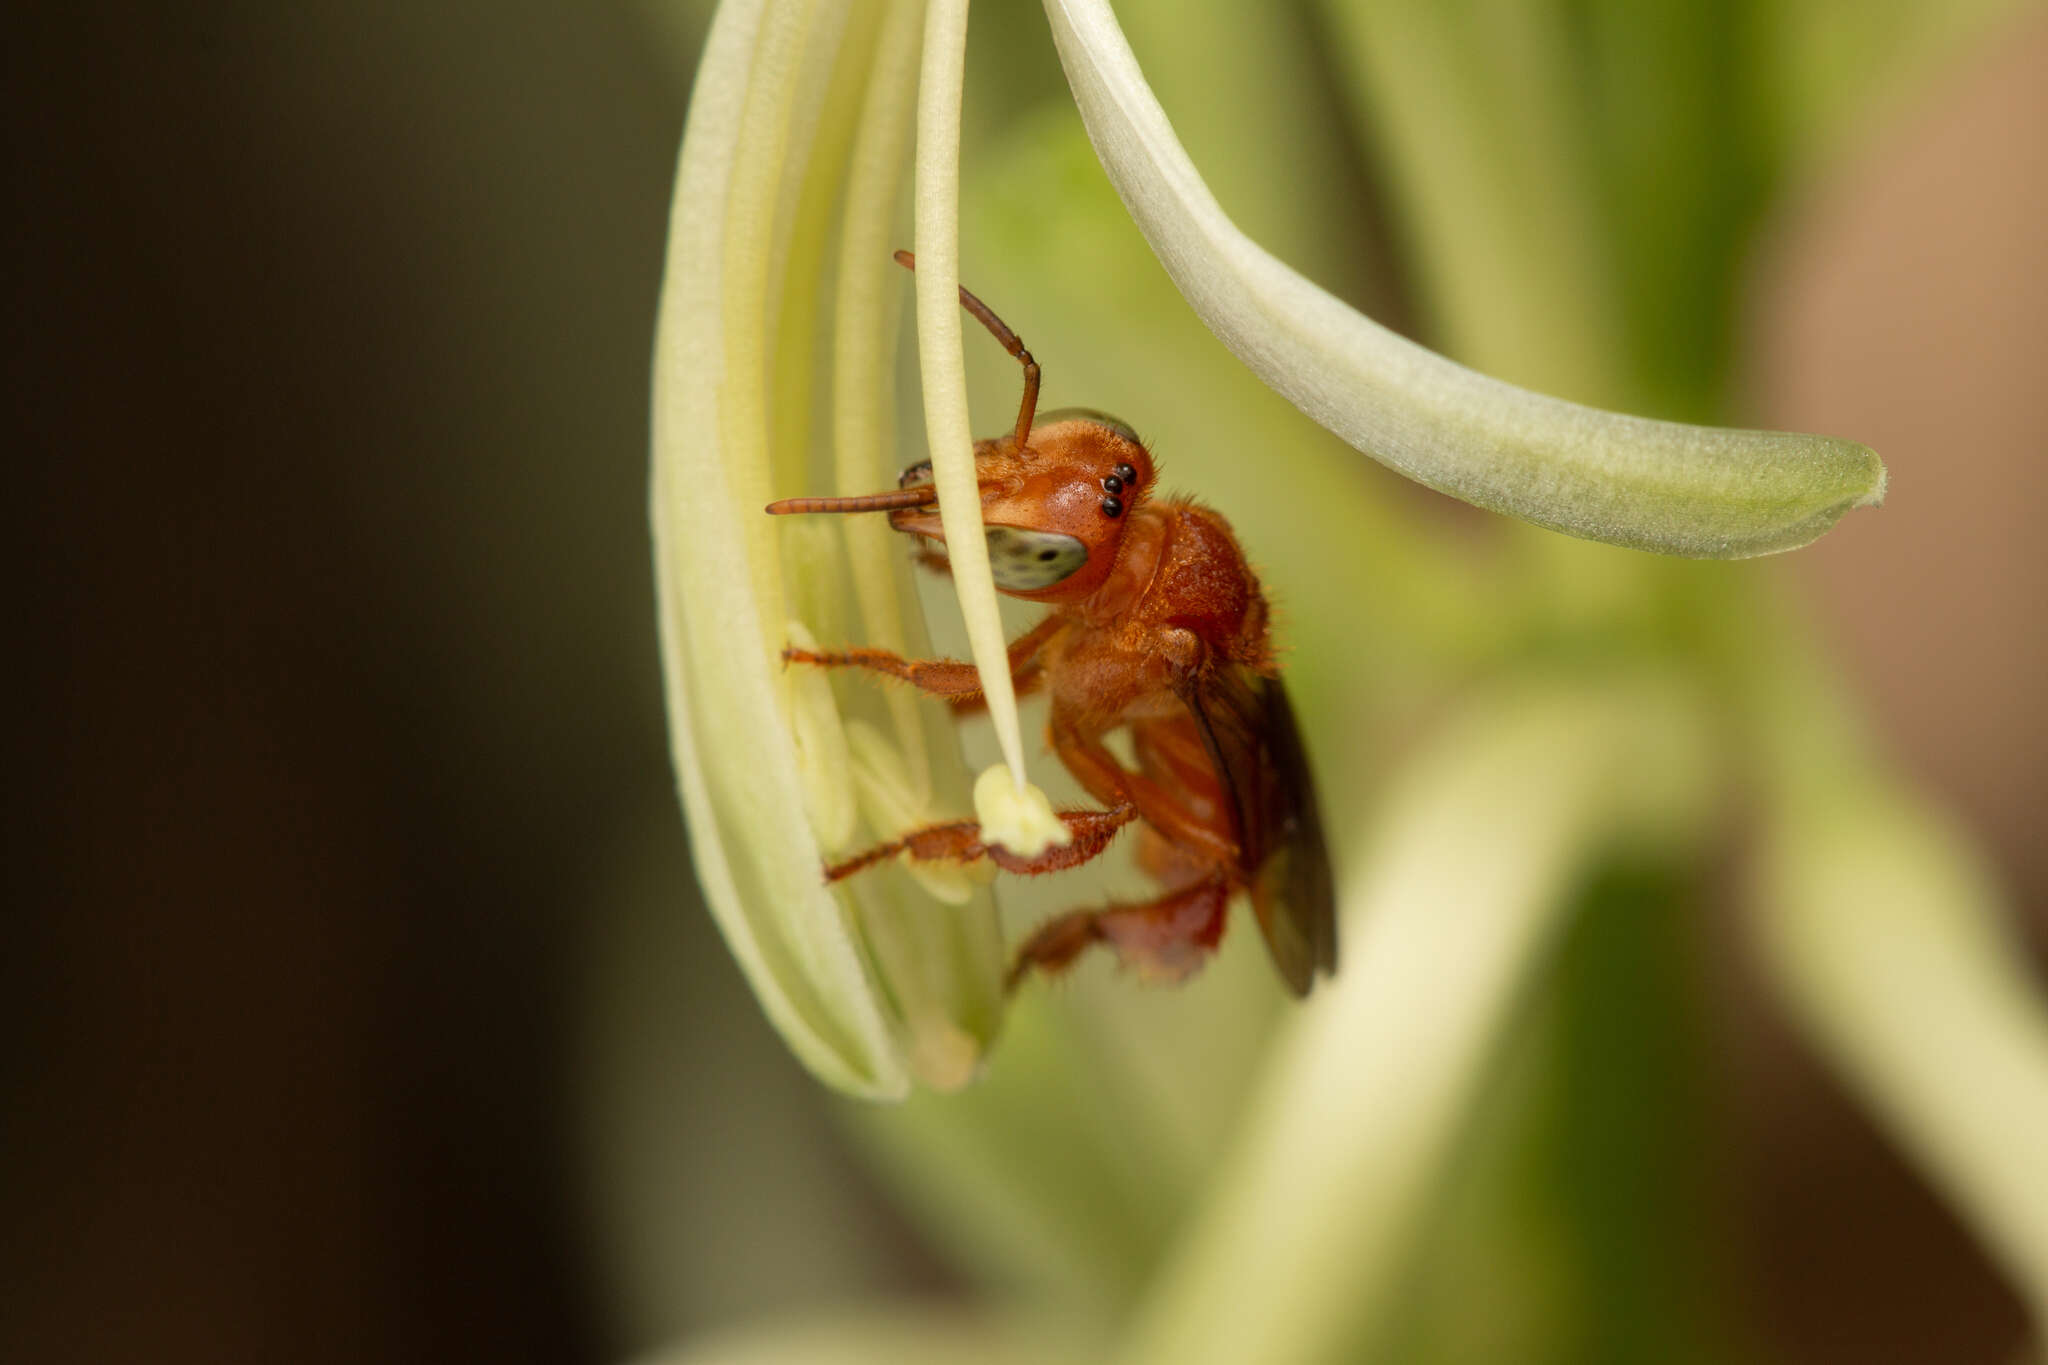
(329, 340)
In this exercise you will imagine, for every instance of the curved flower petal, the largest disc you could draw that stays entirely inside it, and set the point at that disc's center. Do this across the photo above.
(734, 753)
(872, 981)
(1661, 486)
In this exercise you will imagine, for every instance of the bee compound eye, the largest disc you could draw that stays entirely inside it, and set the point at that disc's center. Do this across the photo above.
(1026, 561)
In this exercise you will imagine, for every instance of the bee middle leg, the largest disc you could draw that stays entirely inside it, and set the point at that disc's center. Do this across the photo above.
(960, 841)
(1163, 940)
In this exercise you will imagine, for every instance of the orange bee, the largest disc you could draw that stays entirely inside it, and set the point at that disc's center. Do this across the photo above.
(1157, 625)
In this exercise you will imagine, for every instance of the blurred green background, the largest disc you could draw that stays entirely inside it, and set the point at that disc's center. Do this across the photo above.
(346, 853)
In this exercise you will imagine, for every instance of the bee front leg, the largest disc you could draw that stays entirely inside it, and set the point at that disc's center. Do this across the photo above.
(951, 679)
(948, 678)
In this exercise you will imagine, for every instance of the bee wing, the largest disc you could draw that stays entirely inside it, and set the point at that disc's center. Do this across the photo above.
(1248, 728)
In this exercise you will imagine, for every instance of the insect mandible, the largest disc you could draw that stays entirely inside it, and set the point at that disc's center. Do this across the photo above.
(1156, 625)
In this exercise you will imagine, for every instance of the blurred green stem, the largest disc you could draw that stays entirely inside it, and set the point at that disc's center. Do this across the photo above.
(1465, 879)
(1469, 108)
(1896, 952)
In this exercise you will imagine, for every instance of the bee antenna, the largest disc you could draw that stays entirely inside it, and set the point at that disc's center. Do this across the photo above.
(1000, 330)
(922, 495)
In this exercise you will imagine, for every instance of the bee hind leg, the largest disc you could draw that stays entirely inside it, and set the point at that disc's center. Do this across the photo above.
(1164, 940)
